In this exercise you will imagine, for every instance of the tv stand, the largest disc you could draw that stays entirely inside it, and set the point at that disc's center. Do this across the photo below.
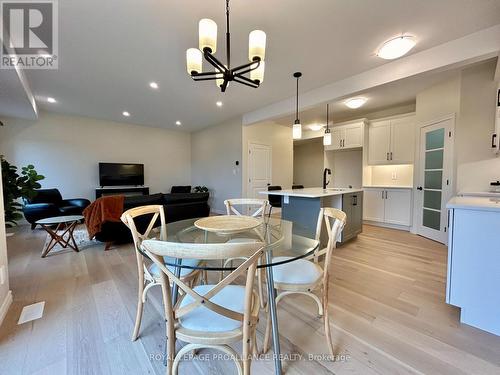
(121, 190)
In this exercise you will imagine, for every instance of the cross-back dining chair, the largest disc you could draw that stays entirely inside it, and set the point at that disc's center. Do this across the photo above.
(306, 276)
(259, 207)
(210, 316)
(148, 272)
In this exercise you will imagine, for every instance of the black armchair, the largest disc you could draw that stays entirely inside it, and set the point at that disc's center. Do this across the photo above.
(49, 203)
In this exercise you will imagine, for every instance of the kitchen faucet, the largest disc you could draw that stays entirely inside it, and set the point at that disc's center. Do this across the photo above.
(325, 172)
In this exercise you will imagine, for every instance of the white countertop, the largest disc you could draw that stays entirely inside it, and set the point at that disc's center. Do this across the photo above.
(475, 203)
(311, 192)
(388, 186)
(479, 194)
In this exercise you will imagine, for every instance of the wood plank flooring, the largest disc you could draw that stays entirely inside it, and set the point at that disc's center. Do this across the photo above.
(388, 315)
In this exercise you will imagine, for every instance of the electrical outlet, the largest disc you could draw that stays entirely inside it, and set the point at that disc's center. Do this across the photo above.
(394, 175)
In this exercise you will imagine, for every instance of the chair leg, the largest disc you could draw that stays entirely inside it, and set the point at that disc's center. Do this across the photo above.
(326, 318)
(140, 307)
(267, 334)
(108, 246)
(247, 339)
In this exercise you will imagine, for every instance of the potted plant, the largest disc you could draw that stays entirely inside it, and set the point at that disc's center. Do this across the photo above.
(17, 186)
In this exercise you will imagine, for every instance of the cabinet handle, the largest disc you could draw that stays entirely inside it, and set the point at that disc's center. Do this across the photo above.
(391, 155)
(387, 156)
(340, 143)
(493, 139)
(382, 194)
(386, 194)
(354, 200)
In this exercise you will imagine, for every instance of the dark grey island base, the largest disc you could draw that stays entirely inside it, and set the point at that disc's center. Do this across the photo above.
(302, 206)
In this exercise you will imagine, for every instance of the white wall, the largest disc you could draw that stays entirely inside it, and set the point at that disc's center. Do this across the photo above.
(214, 152)
(280, 139)
(67, 150)
(308, 162)
(477, 166)
(346, 166)
(5, 294)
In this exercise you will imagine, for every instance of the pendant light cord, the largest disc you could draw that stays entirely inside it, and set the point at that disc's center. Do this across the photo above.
(228, 43)
(327, 111)
(297, 103)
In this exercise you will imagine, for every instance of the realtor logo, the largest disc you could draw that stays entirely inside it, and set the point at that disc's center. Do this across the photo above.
(29, 34)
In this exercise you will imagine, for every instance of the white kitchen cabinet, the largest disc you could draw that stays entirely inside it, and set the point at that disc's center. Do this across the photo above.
(398, 206)
(388, 205)
(347, 136)
(373, 206)
(391, 141)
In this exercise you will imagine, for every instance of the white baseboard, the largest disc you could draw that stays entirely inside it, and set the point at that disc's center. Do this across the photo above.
(386, 225)
(5, 306)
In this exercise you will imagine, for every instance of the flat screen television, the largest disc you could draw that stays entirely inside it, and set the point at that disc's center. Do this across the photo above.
(121, 174)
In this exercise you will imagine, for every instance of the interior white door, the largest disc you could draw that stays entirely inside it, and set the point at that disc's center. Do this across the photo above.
(379, 142)
(403, 140)
(398, 206)
(259, 169)
(435, 186)
(373, 205)
(353, 136)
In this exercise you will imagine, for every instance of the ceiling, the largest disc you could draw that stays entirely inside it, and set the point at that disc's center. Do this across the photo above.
(399, 93)
(110, 50)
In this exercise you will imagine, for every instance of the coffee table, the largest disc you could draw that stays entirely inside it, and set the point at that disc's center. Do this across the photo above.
(64, 224)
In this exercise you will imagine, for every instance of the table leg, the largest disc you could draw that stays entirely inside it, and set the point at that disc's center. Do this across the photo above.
(271, 292)
(56, 238)
(175, 294)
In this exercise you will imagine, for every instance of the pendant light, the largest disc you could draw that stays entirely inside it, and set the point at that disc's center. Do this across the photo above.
(297, 127)
(327, 138)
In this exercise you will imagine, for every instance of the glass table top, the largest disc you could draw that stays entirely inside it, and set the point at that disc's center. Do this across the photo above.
(283, 238)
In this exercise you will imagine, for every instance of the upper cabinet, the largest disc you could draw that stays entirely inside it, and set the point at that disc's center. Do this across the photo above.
(391, 141)
(347, 136)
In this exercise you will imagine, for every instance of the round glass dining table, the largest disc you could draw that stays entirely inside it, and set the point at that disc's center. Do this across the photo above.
(281, 238)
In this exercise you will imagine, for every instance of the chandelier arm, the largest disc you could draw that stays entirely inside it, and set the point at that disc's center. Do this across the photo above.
(246, 81)
(214, 62)
(204, 78)
(224, 85)
(205, 74)
(246, 66)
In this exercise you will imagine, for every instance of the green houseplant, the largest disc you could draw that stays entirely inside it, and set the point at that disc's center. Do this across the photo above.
(17, 186)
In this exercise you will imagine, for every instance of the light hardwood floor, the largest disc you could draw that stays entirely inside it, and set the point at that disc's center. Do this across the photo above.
(387, 311)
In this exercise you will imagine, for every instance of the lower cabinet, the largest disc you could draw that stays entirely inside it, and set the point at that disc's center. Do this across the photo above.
(352, 205)
(391, 206)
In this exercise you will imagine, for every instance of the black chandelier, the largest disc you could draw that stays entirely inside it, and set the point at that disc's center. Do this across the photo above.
(223, 73)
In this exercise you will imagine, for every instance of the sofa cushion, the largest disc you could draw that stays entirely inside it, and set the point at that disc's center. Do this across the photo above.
(184, 197)
(47, 196)
(70, 210)
(180, 189)
(142, 200)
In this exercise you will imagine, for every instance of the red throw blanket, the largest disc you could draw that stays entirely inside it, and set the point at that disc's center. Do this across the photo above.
(107, 208)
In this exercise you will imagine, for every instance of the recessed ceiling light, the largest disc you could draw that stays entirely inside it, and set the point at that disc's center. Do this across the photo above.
(126, 114)
(178, 123)
(397, 47)
(316, 127)
(355, 102)
(153, 85)
(51, 100)
(219, 104)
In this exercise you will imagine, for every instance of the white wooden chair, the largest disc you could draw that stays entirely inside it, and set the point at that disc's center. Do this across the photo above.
(306, 276)
(257, 208)
(148, 272)
(210, 316)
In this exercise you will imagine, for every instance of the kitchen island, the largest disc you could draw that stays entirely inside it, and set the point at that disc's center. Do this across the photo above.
(302, 206)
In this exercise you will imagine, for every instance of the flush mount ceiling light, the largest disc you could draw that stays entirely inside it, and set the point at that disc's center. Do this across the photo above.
(153, 85)
(397, 47)
(327, 138)
(355, 102)
(297, 127)
(224, 73)
(51, 100)
(126, 114)
(178, 123)
(316, 127)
